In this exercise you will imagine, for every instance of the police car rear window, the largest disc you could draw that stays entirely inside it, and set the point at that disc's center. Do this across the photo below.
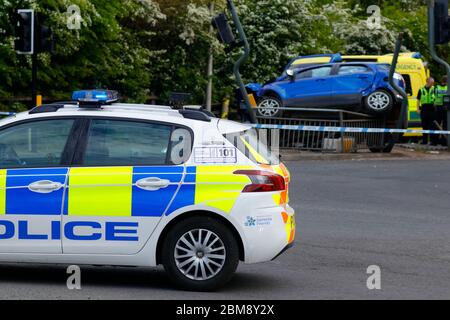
(254, 145)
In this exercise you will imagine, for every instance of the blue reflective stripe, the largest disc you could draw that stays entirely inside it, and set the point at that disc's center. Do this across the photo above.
(191, 169)
(168, 169)
(66, 197)
(154, 203)
(186, 194)
(21, 200)
(38, 171)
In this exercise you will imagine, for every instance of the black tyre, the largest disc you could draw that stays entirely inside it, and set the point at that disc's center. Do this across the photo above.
(379, 102)
(200, 254)
(386, 148)
(269, 107)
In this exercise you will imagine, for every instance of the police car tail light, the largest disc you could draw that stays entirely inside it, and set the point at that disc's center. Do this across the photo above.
(262, 181)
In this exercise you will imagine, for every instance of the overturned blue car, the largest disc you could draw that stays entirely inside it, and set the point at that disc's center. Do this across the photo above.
(359, 87)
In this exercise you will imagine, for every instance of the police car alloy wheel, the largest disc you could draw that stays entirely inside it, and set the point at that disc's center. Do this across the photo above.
(200, 253)
(379, 102)
(270, 107)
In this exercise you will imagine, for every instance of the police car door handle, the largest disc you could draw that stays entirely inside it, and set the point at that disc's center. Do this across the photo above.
(44, 186)
(152, 184)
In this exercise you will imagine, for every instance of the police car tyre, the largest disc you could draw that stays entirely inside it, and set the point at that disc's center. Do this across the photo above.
(200, 254)
(269, 107)
(379, 102)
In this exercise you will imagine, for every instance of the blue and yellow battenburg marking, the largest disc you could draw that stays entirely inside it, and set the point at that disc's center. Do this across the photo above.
(17, 199)
(112, 191)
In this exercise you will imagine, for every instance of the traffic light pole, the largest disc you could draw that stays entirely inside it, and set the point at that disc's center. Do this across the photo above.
(431, 40)
(33, 79)
(402, 122)
(241, 60)
(403, 119)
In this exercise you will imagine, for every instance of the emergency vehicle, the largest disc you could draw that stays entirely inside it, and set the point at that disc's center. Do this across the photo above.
(99, 182)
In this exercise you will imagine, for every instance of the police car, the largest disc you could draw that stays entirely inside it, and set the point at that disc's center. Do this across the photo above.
(97, 182)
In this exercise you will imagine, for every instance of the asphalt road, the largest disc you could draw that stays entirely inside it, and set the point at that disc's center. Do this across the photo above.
(351, 214)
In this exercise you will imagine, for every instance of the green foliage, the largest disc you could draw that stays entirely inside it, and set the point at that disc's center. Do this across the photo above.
(154, 47)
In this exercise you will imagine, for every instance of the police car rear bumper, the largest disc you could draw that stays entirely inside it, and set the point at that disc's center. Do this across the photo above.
(266, 230)
(290, 245)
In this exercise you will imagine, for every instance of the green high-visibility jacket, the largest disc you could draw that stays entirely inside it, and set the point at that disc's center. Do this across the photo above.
(427, 95)
(439, 93)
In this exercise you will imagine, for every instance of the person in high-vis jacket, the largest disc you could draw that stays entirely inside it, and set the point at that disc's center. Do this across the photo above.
(427, 109)
(441, 114)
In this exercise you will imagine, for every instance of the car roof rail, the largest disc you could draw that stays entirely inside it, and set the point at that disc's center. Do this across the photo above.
(73, 103)
(188, 112)
(46, 108)
(200, 109)
(194, 114)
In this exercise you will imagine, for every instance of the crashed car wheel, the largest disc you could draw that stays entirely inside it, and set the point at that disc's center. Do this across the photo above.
(387, 147)
(379, 102)
(269, 107)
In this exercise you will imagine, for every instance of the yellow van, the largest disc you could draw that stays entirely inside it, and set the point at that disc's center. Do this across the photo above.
(410, 65)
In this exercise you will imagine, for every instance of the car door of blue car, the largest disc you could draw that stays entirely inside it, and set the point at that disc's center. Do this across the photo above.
(310, 88)
(349, 84)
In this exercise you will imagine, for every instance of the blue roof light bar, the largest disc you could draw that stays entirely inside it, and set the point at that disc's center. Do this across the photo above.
(95, 97)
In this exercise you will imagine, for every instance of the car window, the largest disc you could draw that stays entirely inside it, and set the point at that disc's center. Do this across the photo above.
(116, 143)
(253, 146)
(297, 67)
(346, 70)
(408, 84)
(34, 144)
(384, 66)
(315, 73)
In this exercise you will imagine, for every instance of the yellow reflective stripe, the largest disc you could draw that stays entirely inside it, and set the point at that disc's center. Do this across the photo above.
(290, 229)
(439, 94)
(218, 187)
(427, 96)
(100, 191)
(259, 158)
(277, 198)
(2, 191)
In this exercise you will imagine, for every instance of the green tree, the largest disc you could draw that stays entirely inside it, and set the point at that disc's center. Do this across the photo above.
(108, 50)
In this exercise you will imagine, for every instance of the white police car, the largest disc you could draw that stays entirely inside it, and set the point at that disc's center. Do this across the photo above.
(104, 183)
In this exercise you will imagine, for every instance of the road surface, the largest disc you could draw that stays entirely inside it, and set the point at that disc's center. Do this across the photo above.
(350, 215)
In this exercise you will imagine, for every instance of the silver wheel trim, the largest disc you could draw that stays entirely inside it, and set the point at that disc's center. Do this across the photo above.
(379, 100)
(200, 254)
(268, 107)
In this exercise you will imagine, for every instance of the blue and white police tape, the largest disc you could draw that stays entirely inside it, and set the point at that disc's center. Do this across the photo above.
(7, 113)
(346, 129)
